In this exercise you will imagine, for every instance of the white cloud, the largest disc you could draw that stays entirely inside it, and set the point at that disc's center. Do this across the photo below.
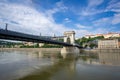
(102, 21)
(80, 26)
(29, 19)
(59, 7)
(89, 12)
(101, 30)
(81, 32)
(116, 19)
(113, 5)
(90, 9)
(112, 2)
(84, 30)
(93, 3)
(108, 20)
(67, 20)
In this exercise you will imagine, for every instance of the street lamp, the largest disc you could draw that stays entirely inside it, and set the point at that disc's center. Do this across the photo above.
(6, 26)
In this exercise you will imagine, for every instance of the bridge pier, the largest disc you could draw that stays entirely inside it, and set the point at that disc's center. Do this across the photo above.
(69, 50)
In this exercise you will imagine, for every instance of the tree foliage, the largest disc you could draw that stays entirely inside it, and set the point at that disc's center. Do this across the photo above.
(84, 40)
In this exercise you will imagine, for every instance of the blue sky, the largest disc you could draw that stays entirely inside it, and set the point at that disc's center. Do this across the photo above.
(50, 17)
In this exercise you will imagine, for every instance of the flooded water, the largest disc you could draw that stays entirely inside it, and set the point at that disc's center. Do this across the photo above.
(37, 65)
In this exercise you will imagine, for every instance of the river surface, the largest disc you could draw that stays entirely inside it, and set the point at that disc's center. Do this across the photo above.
(37, 65)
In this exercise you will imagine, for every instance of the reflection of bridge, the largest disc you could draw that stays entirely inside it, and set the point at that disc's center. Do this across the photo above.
(12, 35)
(67, 66)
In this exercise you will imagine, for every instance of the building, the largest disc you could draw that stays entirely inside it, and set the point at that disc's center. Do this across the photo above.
(109, 43)
(97, 35)
(28, 43)
(90, 36)
(41, 44)
(107, 35)
(119, 43)
(33, 44)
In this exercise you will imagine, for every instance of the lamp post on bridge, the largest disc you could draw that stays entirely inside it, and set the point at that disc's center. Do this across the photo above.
(40, 34)
(6, 25)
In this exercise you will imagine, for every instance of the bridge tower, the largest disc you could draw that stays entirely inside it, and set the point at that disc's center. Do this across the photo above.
(69, 50)
(69, 37)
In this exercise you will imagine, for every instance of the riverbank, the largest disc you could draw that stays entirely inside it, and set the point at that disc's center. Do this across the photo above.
(31, 49)
(112, 50)
(88, 50)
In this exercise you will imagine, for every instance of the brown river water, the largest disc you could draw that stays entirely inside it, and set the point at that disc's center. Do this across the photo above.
(37, 65)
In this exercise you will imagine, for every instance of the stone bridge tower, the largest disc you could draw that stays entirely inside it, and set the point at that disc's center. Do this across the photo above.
(69, 37)
(69, 50)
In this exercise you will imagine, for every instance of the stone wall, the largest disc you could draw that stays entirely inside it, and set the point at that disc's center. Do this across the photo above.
(31, 49)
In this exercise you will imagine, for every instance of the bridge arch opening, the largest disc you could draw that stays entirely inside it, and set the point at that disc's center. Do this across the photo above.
(68, 40)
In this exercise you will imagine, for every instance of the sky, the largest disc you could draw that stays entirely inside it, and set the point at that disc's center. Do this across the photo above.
(49, 17)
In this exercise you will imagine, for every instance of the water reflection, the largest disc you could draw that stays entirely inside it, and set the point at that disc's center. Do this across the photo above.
(35, 55)
(102, 57)
(39, 65)
(66, 65)
(109, 58)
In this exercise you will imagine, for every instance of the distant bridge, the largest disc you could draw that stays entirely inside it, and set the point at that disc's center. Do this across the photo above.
(13, 35)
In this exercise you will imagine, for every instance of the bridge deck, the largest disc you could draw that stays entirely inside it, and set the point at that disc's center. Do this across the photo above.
(12, 35)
